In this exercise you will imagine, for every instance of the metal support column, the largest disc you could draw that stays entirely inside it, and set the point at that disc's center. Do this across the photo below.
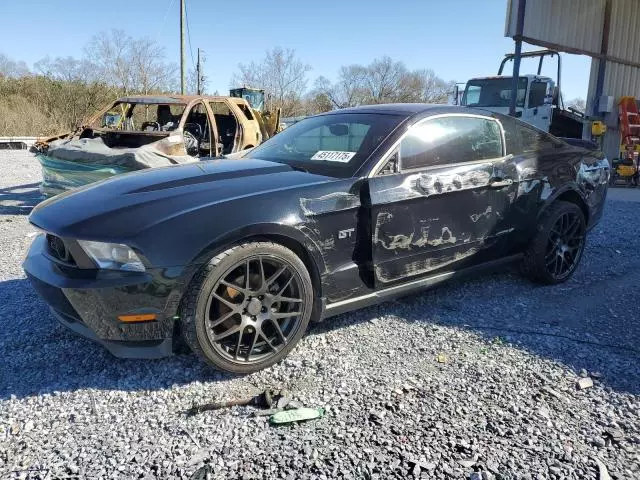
(183, 72)
(602, 63)
(516, 58)
(198, 73)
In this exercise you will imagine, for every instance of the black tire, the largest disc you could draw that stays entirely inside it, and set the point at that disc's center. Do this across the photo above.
(261, 289)
(555, 251)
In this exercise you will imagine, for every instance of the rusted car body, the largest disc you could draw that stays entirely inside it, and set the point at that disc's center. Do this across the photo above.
(138, 132)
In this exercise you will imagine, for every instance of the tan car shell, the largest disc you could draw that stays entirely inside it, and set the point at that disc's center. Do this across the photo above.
(248, 133)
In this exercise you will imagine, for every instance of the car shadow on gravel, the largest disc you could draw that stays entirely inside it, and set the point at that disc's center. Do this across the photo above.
(552, 322)
(590, 322)
(40, 356)
(19, 199)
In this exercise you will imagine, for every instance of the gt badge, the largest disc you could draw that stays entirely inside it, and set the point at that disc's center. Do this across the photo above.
(346, 233)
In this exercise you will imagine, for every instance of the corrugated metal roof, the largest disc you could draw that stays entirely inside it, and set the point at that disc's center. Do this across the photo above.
(621, 80)
(572, 24)
(624, 36)
(577, 26)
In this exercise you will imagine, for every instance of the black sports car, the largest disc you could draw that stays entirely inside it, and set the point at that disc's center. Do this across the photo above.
(338, 211)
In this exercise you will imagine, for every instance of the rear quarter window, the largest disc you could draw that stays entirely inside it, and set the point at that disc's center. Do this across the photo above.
(520, 138)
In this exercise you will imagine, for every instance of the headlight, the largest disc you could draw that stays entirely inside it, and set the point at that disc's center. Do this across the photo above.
(112, 256)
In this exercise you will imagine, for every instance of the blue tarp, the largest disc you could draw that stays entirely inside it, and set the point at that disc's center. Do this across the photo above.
(60, 175)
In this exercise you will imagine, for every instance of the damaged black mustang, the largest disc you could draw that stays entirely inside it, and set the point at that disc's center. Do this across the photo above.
(339, 211)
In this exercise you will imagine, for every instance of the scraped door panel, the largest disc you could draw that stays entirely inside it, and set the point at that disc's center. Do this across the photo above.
(440, 219)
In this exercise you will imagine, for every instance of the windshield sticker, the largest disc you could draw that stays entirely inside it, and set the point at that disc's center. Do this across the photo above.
(333, 156)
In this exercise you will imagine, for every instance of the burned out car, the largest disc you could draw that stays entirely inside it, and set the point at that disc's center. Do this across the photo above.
(138, 132)
(338, 211)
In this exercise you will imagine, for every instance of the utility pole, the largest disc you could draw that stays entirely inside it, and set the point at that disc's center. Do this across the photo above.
(183, 74)
(199, 74)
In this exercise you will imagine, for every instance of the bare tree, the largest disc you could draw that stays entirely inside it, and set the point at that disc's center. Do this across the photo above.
(109, 52)
(149, 70)
(66, 69)
(12, 69)
(350, 89)
(316, 102)
(424, 86)
(382, 81)
(281, 75)
(578, 104)
(132, 65)
(73, 92)
(192, 82)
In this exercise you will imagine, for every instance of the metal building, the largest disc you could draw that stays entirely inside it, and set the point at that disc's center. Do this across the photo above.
(606, 30)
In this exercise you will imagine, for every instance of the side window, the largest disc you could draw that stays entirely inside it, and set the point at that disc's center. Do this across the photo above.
(537, 94)
(453, 139)
(534, 140)
(246, 111)
(220, 108)
(472, 95)
(197, 122)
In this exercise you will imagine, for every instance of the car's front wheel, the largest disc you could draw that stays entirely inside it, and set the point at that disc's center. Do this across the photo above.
(248, 307)
(556, 250)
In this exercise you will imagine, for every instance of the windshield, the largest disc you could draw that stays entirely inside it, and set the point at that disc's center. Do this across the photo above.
(493, 92)
(254, 97)
(334, 145)
(142, 117)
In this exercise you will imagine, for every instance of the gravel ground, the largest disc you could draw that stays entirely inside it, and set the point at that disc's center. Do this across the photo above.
(475, 375)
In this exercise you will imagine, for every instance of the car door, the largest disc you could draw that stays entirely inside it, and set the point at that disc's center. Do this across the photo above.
(446, 205)
(196, 122)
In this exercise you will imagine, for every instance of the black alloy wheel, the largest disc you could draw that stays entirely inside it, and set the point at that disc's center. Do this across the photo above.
(555, 252)
(565, 245)
(254, 309)
(249, 307)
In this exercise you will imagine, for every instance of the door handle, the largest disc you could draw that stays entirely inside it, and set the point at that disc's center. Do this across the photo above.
(499, 183)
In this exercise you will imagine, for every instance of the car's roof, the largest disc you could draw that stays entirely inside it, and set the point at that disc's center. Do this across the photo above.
(410, 109)
(152, 99)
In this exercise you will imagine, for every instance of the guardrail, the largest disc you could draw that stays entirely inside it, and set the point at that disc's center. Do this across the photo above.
(17, 143)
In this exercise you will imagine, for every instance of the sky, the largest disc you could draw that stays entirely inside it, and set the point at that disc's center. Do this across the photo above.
(457, 39)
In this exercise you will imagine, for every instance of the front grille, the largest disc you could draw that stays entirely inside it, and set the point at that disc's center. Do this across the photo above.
(58, 250)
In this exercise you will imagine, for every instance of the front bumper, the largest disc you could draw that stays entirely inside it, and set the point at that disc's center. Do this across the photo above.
(88, 302)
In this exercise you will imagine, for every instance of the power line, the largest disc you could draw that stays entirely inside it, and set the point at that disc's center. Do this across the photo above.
(186, 12)
(164, 21)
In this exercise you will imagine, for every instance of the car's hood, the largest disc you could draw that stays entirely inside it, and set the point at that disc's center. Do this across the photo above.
(121, 206)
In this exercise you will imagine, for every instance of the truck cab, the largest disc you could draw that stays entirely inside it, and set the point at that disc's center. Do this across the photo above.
(534, 102)
(538, 98)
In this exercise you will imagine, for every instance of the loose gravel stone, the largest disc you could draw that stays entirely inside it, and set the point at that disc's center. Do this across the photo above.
(69, 409)
(584, 383)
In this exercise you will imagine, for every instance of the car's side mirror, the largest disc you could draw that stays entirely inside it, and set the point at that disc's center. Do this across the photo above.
(456, 94)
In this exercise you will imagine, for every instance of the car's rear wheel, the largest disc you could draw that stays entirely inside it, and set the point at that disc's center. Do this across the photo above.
(556, 250)
(248, 307)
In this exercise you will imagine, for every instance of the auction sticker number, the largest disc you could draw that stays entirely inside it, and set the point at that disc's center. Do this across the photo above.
(333, 156)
